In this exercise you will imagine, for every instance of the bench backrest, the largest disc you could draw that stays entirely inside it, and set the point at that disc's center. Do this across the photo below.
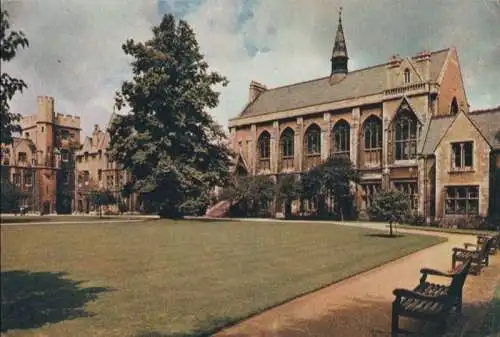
(458, 280)
(486, 247)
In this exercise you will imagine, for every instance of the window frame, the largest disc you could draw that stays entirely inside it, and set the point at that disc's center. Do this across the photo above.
(405, 121)
(465, 156)
(341, 138)
(313, 140)
(471, 195)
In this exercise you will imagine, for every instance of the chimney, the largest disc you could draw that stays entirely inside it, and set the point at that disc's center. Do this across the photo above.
(255, 90)
(424, 58)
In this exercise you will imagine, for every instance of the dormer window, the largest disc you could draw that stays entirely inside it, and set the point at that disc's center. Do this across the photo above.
(407, 75)
(21, 157)
(454, 107)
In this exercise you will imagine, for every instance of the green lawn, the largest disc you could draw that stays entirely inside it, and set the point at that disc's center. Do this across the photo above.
(62, 218)
(448, 230)
(491, 324)
(163, 278)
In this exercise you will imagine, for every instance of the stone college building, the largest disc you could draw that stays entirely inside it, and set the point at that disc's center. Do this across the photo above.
(405, 124)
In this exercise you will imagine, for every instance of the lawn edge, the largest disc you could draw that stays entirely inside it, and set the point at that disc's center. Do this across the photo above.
(254, 314)
(447, 230)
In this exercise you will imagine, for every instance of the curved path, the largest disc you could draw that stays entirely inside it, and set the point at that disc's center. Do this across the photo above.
(361, 306)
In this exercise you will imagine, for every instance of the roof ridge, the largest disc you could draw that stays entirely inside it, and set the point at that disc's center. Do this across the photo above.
(350, 72)
(487, 110)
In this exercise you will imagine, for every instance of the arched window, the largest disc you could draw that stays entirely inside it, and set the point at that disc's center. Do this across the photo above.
(264, 149)
(287, 143)
(313, 140)
(372, 142)
(454, 107)
(405, 135)
(407, 75)
(373, 133)
(287, 149)
(312, 147)
(341, 138)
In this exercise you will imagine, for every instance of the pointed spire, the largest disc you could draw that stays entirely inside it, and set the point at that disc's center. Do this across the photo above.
(339, 53)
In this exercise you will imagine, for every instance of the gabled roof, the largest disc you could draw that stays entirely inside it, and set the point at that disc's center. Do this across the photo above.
(488, 123)
(358, 83)
(16, 141)
(435, 130)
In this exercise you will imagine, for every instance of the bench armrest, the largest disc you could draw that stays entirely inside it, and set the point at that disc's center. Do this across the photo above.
(430, 271)
(457, 249)
(469, 244)
(415, 295)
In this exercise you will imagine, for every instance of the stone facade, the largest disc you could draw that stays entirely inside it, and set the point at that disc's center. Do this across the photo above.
(96, 172)
(379, 116)
(48, 163)
(41, 162)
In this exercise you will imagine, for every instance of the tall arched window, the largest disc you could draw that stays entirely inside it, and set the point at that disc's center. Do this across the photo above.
(454, 107)
(312, 146)
(405, 135)
(341, 138)
(372, 142)
(407, 75)
(264, 150)
(313, 140)
(287, 148)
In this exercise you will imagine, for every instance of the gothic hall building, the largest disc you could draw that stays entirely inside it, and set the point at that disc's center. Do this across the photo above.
(404, 124)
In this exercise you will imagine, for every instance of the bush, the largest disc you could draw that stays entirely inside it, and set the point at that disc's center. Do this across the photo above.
(463, 222)
(415, 220)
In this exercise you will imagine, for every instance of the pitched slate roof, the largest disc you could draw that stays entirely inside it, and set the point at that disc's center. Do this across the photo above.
(488, 123)
(435, 130)
(358, 83)
(16, 141)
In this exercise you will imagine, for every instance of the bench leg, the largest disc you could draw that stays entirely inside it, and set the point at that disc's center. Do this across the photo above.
(441, 328)
(395, 321)
(459, 304)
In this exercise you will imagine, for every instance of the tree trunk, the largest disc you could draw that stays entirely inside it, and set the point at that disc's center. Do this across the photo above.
(390, 228)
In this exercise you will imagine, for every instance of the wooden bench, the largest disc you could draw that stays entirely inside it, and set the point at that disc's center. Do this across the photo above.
(481, 240)
(430, 301)
(479, 257)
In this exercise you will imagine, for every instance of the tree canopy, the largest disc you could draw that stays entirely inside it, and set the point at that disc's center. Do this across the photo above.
(10, 41)
(169, 141)
(391, 206)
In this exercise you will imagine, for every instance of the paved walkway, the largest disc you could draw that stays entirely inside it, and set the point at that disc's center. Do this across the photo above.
(361, 306)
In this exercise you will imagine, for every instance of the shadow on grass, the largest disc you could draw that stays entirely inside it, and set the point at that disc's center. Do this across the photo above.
(383, 235)
(370, 317)
(206, 329)
(30, 300)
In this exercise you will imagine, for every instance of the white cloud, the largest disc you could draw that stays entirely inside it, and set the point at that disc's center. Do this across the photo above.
(75, 53)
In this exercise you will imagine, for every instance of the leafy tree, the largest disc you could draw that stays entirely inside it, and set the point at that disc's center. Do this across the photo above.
(10, 41)
(392, 206)
(332, 178)
(288, 189)
(251, 195)
(9, 194)
(169, 142)
(100, 198)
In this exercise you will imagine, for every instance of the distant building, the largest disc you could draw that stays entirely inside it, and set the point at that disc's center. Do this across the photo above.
(95, 171)
(40, 162)
(405, 124)
(55, 172)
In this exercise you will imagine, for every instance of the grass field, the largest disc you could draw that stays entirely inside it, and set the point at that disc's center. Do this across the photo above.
(163, 278)
(491, 324)
(62, 218)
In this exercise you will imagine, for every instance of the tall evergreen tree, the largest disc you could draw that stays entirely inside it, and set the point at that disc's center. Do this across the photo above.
(10, 41)
(170, 143)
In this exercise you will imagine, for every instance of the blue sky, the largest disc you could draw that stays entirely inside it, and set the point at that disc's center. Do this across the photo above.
(75, 46)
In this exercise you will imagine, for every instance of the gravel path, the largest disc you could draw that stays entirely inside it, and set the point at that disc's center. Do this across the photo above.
(361, 306)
